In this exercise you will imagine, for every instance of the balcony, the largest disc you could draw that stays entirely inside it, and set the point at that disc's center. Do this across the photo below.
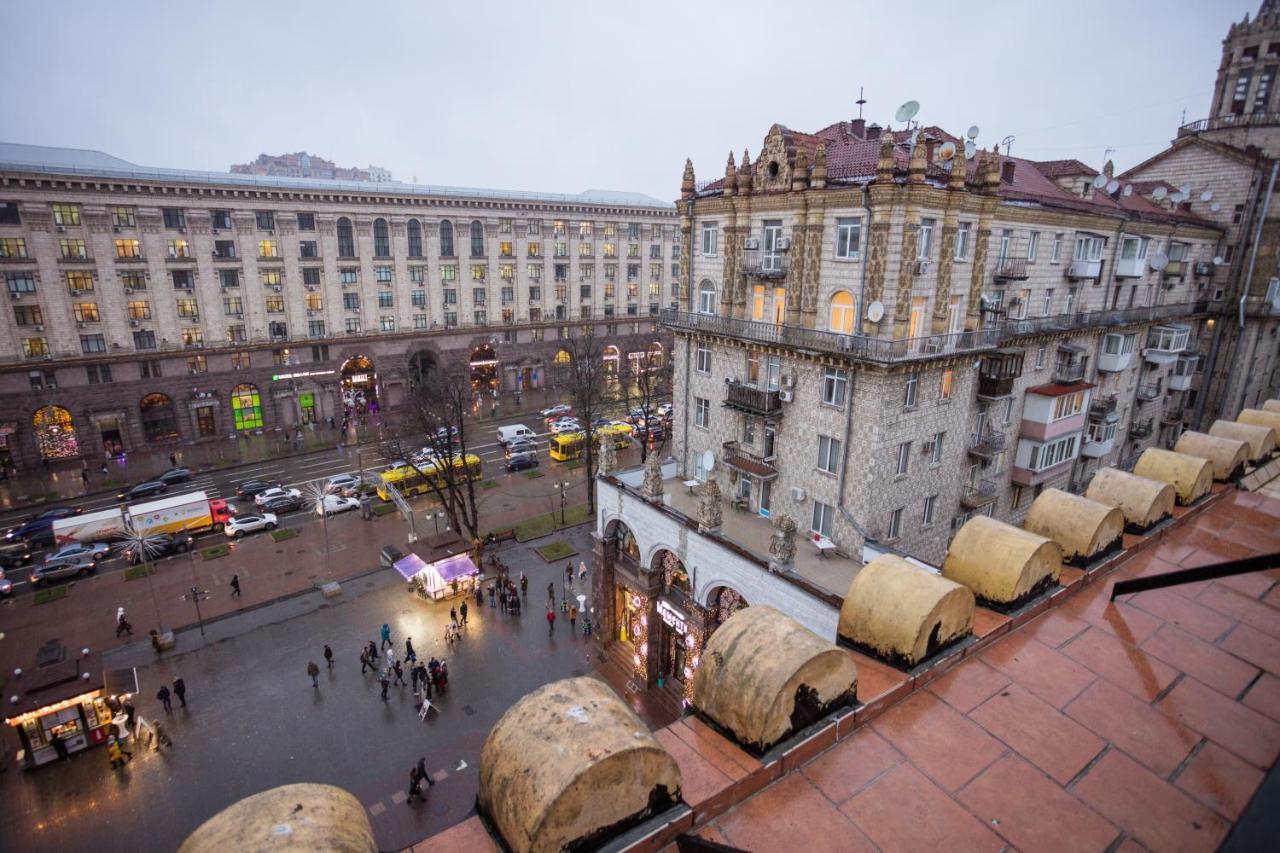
(986, 445)
(1131, 267)
(997, 373)
(753, 401)
(1100, 442)
(1148, 392)
(1164, 343)
(979, 494)
(1099, 319)
(1141, 429)
(747, 462)
(1206, 269)
(1066, 371)
(1174, 269)
(758, 263)
(1230, 122)
(1085, 270)
(1101, 408)
(1172, 415)
(1011, 269)
(1180, 378)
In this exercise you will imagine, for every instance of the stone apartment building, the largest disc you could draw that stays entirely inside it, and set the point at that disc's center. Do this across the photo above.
(152, 305)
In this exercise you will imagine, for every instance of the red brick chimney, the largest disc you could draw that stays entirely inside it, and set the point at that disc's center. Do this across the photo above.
(1006, 171)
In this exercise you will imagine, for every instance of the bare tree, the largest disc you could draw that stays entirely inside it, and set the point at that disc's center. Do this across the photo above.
(439, 410)
(646, 385)
(586, 382)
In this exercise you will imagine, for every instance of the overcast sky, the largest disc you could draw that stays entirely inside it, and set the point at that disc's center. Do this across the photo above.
(564, 97)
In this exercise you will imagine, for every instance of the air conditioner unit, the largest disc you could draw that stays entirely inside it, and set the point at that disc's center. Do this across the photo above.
(13, 295)
(751, 243)
(311, 287)
(798, 494)
(786, 396)
(788, 380)
(115, 228)
(311, 313)
(128, 290)
(182, 231)
(133, 323)
(39, 328)
(922, 267)
(79, 325)
(62, 229)
(77, 293)
(783, 244)
(276, 288)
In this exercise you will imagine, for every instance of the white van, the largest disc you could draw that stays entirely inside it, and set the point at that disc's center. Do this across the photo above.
(508, 434)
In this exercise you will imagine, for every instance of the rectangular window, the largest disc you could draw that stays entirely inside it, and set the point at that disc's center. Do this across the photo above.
(710, 236)
(315, 302)
(179, 249)
(388, 324)
(9, 213)
(702, 361)
(85, 312)
(822, 520)
(351, 301)
(935, 457)
(188, 308)
(232, 306)
(904, 459)
(450, 297)
(1056, 253)
(174, 217)
(418, 298)
(1068, 405)
(835, 385)
(35, 347)
(79, 281)
(240, 360)
(266, 220)
(224, 249)
(28, 315)
(311, 276)
(197, 364)
(99, 374)
(315, 328)
(192, 337)
(963, 233)
(139, 309)
(220, 220)
(895, 524)
(849, 238)
(477, 295)
(1046, 307)
(911, 390)
(701, 412)
(306, 222)
(91, 344)
(534, 250)
(66, 214)
(382, 275)
(924, 246)
(611, 250)
(274, 304)
(348, 276)
(1033, 245)
(945, 386)
(144, 340)
(183, 279)
(1040, 358)
(419, 321)
(268, 249)
(128, 248)
(13, 247)
(1054, 453)
(479, 272)
(828, 454)
(307, 249)
(930, 510)
(386, 299)
(352, 325)
(504, 249)
(122, 217)
(534, 272)
(76, 249)
(20, 282)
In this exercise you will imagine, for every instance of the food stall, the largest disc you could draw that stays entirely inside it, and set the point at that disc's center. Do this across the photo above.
(443, 578)
(70, 696)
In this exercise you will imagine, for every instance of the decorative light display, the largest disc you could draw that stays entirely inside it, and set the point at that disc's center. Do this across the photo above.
(640, 636)
(55, 433)
(693, 654)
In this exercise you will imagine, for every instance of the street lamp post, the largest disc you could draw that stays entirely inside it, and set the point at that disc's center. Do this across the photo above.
(562, 487)
(194, 596)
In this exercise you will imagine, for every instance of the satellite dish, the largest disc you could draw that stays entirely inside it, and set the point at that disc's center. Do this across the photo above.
(1179, 197)
(1159, 193)
(969, 149)
(947, 151)
(875, 311)
(907, 111)
(1128, 191)
(1112, 186)
(1184, 189)
(708, 461)
(972, 132)
(1215, 207)
(1207, 195)
(1159, 261)
(1217, 260)
(1099, 182)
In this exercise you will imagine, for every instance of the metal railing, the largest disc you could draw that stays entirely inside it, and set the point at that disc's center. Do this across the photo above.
(1141, 429)
(763, 264)
(1148, 392)
(755, 400)
(1070, 371)
(1172, 415)
(1100, 408)
(978, 494)
(1008, 269)
(1230, 121)
(986, 445)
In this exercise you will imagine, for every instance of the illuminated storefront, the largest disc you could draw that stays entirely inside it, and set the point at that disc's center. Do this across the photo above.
(55, 432)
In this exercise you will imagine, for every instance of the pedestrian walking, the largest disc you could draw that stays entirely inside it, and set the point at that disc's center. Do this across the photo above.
(120, 743)
(59, 747)
(115, 755)
(568, 572)
(551, 621)
(235, 586)
(131, 714)
(105, 471)
(385, 684)
(173, 460)
(314, 672)
(462, 609)
(399, 671)
(84, 475)
(163, 695)
(422, 771)
(386, 635)
(409, 654)
(365, 663)
(413, 679)
(573, 619)
(373, 654)
(122, 624)
(180, 690)
(492, 596)
(551, 590)
(328, 655)
(453, 615)
(162, 736)
(391, 656)
(524, 585)
(415, 786)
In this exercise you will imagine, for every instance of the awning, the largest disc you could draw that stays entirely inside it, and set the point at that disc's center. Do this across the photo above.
(117, 682)
(411, 566)
(457, 566)
(435, 576)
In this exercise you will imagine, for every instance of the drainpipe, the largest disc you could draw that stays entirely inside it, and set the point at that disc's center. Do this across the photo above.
(866, 246)
(1248, 279)
(848, 416)
(688, 299)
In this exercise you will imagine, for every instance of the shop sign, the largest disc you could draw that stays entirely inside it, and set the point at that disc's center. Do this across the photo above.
(307, 400)
(672, 617)
(276, 377)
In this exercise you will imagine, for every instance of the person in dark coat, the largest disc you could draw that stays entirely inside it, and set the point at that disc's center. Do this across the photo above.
(409, 654)
(235, 586)
(59, 747)
(373, 652)
(415, 786)
(365, 663)
(180, 690)
(328, 655)
(399, 671)
(462, 611)
(163, 695)
(422, 771)
(385, 684)
(314, 672)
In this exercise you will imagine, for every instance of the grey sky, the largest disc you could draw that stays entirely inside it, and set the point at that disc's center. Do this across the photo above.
(564, 97)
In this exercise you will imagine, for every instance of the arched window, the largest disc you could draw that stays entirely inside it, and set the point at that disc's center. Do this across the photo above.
(346, 238)
(159, 423)
(246, 407)
(415, 239)
(707, 297)
(446, 239)
(477, 239)
(842, 316)
(381, 239)
(563, 357)
(55, 433)
(626, 541)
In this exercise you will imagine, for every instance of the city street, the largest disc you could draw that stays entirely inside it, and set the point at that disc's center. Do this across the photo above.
(255, 721)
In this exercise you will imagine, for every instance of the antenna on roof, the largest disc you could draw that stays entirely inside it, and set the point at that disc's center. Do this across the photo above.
(861, 100)
(1007, 142)
(1099, 181)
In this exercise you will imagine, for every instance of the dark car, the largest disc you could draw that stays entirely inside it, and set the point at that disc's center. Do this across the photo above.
(14, 554)
(175, 475)
(159, 545)
(250, 489)
(64, 567)
(38, 530)
(149, 489)
(282, 503)
(521, 461)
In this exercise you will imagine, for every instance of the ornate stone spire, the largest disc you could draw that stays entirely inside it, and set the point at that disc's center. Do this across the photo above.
(745, 175)
(782, 543)
(709, 506)
(819, 177)
(608, 462)
(686, 182)
(651, 489)
(730, 177)
(800, 172)
(958, 167)
(885, 163)
(919, 162)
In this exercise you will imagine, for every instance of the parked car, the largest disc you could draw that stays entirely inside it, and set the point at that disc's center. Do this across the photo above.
(552, 412)
(566, 425)
(175, 475)
(38, 529)
(252, 488)
(447, 433)
(14, 554)
(64, 567)
(665, 410)
(282, 503)
(521, 461)
(242, 524)
(148, 489)
(334, 504)
(94, 551)
(524, 446)
(278, 492)
(158, 546)
(6, 587)
(342, 483)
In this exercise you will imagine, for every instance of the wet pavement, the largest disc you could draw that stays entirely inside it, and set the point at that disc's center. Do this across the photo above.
(254, 720)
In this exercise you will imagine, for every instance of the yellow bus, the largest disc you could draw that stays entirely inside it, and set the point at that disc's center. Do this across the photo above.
(619, 433)
(569, 445)
(409, 482)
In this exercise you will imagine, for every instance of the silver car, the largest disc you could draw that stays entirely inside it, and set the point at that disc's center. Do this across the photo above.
(63, 567)
(94, 551)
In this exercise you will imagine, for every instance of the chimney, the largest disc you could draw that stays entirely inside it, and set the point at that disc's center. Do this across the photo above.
(873, 131)
(1006, 172)
(858, 127)
(930, 145)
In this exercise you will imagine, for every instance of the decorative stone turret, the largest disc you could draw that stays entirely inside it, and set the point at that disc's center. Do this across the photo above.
(991, 177)
(885, 162)
(819, 177)
(958, 166)
(651, 489)
(730, 177)
(744, 174)
(919, 163)
(709, 506)
(686, 182)
(782, 544)
(608, 461)
(800, 173)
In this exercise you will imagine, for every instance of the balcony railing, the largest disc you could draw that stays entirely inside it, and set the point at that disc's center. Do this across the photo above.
(1070, 371)
(1230, 121)
(751, 463)
(986, 445)
(762, 264)
(1084, 269)
(1097, 319)
(1172, 415)
(1141, 429)
(979, 494)
(1011, 269)
(755, 401)
(1148, 392)
(1100, 408)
